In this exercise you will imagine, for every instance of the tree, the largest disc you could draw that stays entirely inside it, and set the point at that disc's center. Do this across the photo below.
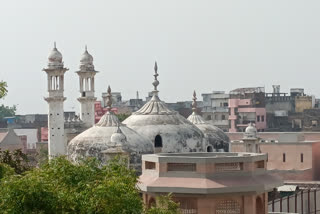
(3, 89)
(62, 187)
(122, 117)
(165, 205)
(7, 111)
(17, 160)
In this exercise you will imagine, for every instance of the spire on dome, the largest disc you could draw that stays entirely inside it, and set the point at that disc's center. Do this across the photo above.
(155, 82)
(54, 45)
(194, 102)
(109, 99)
(86, 49)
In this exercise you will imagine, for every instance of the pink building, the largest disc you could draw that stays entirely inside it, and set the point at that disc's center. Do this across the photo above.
(247, 105)
(209, 183)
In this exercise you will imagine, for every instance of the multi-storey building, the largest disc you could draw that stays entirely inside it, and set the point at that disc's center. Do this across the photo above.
(215, 109)
(247, 105)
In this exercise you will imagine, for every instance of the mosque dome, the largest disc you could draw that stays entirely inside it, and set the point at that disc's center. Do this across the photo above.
(251, 131)
(167, 129)
(55, 58)
(109, 133)
(86, 61)
(217, 140)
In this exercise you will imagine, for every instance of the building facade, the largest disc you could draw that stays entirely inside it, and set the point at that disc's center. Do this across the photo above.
(247, 105)
(215, 109)
(209, 183)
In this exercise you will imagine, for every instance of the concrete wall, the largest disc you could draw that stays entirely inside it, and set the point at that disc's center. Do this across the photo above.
(292, 168)
(302, 103)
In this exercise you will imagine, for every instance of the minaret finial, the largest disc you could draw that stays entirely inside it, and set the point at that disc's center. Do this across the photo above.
(155, 82)
(86, 48)
(54, 45)
(109, 99)
(194, 102)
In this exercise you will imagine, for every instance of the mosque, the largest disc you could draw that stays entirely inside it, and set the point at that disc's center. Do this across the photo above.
(154, 128)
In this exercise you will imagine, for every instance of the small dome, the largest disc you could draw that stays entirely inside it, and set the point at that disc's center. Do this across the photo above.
(118, 137)
(251, 131)
(55, 58)
(216, 138)
(86, 61)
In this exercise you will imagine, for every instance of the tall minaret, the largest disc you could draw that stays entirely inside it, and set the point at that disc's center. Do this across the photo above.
(55, 72)
(86, 79)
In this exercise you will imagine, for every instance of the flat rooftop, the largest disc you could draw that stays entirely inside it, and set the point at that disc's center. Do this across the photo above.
(198, 157)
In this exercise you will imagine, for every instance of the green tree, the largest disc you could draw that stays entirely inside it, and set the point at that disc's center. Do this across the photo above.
(17, 160)
(122, 117)
(62, 187)
(3, 89)
(7, 111)
(164, 205)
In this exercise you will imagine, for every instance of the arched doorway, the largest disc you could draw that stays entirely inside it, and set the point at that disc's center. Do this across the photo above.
(158, 144)
(158, 141)
(209, 149)
(152, 202)
(259, 206)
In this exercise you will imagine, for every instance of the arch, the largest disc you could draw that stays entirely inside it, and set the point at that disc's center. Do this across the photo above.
(209, 149)
(152, 202)
(158, 141)
(259, 206)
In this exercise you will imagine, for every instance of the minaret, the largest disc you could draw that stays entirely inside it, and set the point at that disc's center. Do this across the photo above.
(250, 139)
(86, 80)
(55, 72)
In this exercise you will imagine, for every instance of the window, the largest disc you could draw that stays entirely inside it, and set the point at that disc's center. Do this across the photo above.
(83, 94)
(209, 149)
(262, 118)
(301, 157)
(223, 117)
(150, 165)
(258, 118)
(158, 141)
(209, 117)
(182, 167)
(225, 104)
(228, 206)
(284, 157)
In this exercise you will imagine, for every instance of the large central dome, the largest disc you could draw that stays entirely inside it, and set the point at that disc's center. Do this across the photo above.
(167, 129)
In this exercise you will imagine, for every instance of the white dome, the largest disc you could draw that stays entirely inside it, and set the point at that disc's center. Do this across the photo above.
(177, 133)
(86, 61)
(215, 136)
(55, 58)
(118, 137)
(105, 135)
(251, 131)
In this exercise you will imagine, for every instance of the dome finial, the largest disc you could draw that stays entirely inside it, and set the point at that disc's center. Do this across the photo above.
(194, 102)
(155, 82)
(54, 45)
(109, 99)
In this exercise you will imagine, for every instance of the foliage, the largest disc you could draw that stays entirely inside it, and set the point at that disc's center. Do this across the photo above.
(7, 111)
(165, 205)
(5, 170)
(3, 89)
(16, 160)
(122, 117)
(62, 187)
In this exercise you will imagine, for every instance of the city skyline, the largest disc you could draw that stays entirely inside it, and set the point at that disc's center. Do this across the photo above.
(201, 46)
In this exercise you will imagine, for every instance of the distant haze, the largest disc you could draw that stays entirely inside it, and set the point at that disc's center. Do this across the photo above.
(202, 45)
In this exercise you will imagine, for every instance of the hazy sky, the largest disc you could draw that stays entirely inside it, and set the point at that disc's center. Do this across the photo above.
(202, 45)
